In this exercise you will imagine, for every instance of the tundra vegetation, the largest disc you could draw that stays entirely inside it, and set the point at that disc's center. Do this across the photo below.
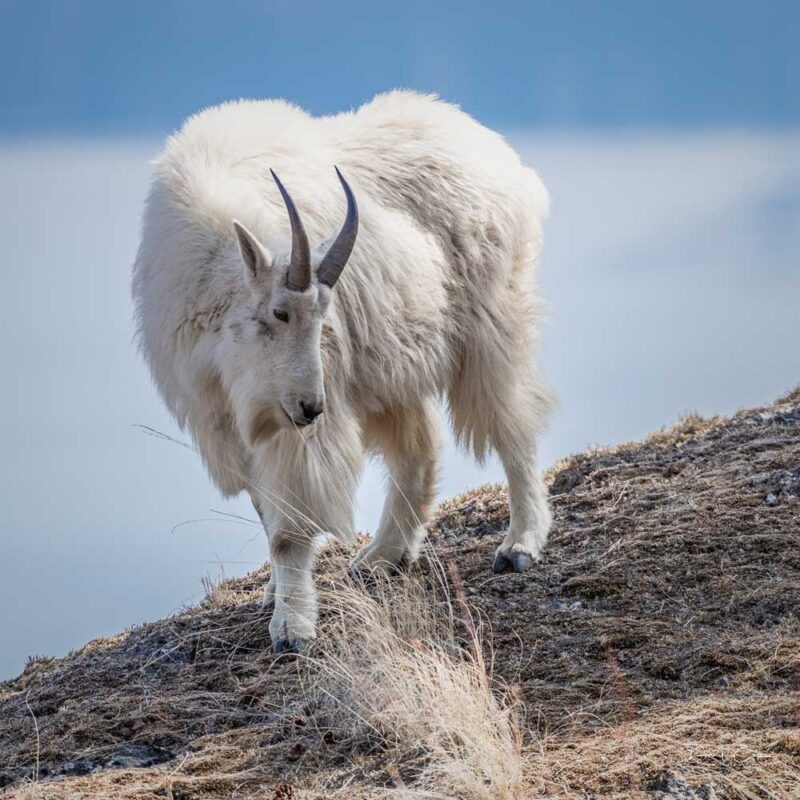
(654, 653)
(287, 362)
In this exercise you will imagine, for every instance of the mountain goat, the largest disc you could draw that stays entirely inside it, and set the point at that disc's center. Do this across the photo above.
(286, 367)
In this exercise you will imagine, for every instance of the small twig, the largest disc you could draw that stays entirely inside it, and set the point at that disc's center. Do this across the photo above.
(38, 739)
(461, 600)
(394, 773)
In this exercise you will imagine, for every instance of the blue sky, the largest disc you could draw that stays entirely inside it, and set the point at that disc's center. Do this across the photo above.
(93, 66)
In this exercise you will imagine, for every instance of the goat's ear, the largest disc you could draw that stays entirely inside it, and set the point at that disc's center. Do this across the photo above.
(257, 259)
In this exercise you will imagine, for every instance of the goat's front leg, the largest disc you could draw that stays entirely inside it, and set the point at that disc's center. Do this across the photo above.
(294, 597)
(268, 600)
(290, 591)
(304, 488)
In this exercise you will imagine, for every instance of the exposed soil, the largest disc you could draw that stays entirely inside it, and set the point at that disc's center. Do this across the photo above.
(655, 651)
(673, 571)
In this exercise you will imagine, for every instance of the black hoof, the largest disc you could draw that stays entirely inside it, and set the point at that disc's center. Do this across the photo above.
(404, 565)
(284, 646)
(368, 575)
(512, 562)
(361, 575)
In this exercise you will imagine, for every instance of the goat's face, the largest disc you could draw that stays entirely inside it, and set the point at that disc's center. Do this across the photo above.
(278, 340)
(279, 329)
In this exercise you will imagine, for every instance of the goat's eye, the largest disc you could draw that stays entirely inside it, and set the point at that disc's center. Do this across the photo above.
(281, 315)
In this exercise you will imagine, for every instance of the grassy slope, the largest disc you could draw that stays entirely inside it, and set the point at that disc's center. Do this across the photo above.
(659, 633)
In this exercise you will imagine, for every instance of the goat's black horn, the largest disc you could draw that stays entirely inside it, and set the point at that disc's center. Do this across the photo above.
(334, 260)
(299, 276)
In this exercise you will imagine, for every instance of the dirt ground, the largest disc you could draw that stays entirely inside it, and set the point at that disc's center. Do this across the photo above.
(654, 652)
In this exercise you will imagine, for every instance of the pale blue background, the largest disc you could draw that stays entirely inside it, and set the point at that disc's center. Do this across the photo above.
(95, 65)
(667, 133)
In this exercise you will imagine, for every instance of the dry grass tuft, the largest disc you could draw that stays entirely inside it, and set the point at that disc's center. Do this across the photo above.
(656, 645)
(393, 668)
(218, 592)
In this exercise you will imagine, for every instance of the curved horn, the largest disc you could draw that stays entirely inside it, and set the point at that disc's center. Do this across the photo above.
(334, 260)
(298, 278)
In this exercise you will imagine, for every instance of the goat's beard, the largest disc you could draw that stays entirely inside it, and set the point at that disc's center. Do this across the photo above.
(263, 425)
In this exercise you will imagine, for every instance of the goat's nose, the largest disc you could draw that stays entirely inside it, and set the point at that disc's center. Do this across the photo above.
(311, 410)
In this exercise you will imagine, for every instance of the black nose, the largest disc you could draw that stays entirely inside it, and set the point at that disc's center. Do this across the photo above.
(310, 410)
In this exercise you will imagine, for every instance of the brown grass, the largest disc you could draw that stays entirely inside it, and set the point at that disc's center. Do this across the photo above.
(731, 744)
(392, 666)
(660, 633)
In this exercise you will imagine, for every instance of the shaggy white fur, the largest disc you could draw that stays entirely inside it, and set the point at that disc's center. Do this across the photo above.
(437, 299)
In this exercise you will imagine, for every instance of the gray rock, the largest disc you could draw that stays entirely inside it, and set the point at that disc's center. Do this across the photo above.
(138, 755)
(668, 785)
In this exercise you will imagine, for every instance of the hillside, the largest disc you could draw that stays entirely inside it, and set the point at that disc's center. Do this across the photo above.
(654, 653)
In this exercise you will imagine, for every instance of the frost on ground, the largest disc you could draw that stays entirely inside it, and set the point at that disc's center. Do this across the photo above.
(654, 653)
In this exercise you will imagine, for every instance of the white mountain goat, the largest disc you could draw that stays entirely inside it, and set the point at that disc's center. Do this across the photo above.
(286, 367)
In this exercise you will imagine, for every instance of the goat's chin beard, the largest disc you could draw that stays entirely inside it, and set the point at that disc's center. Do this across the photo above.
(263, 425)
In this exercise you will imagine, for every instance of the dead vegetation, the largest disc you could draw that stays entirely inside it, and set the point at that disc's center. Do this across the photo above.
(654, 653)
(395, 671)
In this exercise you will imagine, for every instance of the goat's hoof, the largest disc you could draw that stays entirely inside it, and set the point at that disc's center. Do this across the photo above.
(512, 562)
(286, 646)
(367, 572)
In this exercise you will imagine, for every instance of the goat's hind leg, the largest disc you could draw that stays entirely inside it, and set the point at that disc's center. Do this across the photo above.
(409, 441)
(504, 410)
(521, 408)
(527, 498)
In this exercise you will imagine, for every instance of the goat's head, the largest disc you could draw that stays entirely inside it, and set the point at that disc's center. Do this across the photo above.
(279, 333)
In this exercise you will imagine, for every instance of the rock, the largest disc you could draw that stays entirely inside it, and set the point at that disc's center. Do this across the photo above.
(80, 766)
(668, 785)
(138, 755)
(296, 752)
